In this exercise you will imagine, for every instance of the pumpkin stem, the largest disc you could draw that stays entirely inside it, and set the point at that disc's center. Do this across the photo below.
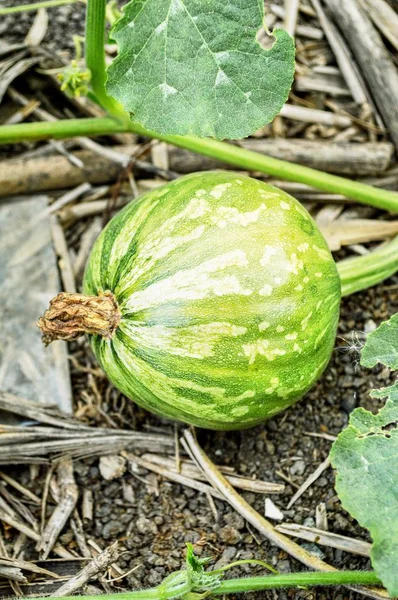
(72, 315)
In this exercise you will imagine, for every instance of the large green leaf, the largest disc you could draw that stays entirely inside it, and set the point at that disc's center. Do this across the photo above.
(382, 345)
(195, 67)
(365, 457)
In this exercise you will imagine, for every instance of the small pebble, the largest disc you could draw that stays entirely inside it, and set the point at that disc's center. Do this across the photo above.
(272, 511)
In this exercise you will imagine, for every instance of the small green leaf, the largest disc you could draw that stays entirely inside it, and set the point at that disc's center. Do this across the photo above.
(195, 67)
(202, 581)
(365, 458)
(382, 345)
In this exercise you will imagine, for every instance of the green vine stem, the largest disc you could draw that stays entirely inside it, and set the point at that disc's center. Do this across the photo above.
(95, 57)
(234, 586)
(177, 585)
(227, 153)
(361, 272)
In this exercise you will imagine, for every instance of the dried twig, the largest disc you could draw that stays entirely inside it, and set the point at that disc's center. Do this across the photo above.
(33, 535)
(15, 71)
(343, 58)
(38, 28)
(115, 570)
(291, 8)
(344, 232)
(19, 487)
(67, 502)
(65, 263)
(314, 115)
(86, 243)
(21, 509)
(99, 564)
(326, 538)
(13, 573)
(78, 531)
(171, 474)
(380, 72)
(27, 566)
(309, 481)
(69, 197)
(321, 517)
(190, 470)
(385, 18)
(87, 505)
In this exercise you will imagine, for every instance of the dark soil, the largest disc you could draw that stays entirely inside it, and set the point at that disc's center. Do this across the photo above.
(63, 23)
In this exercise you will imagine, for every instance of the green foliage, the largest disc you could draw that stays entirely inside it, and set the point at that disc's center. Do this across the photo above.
(365, 457)
(195, 67)
(382, 345)
(74, 80)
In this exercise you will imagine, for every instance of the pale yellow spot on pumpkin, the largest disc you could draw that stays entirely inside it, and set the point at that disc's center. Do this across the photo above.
(195, 341)
(269, 251)
(306, 279)
(298, 287)
(320, 336)
(261, 347)
(218, 191)
(268, 193)
(305, 321)
(224, 215)
(284, 205)
(277, 280)
(274, 385)
(297, 348)
(193, 284)
(318, 274)
(303, 247)
(266, 290)
(239, 411)
(264, 325)
(280, 328)
(291, 336)
(295, 264)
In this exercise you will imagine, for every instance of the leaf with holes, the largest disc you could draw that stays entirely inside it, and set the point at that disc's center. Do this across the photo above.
(195, 67)
(365, 458)
(382, 345)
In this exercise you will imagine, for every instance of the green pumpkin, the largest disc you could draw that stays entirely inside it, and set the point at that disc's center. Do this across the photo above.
(229, 300)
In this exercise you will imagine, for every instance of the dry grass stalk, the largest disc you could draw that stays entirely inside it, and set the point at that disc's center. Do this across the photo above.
(380, 73)
(171, 474)
(190, 470)
(343, 57)
(97, 565)
(309, 481)
(67, 501)
(385, 18)
(326, 538)
(62, 250)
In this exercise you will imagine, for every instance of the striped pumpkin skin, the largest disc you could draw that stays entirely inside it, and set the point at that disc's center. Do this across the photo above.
(229, 300)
